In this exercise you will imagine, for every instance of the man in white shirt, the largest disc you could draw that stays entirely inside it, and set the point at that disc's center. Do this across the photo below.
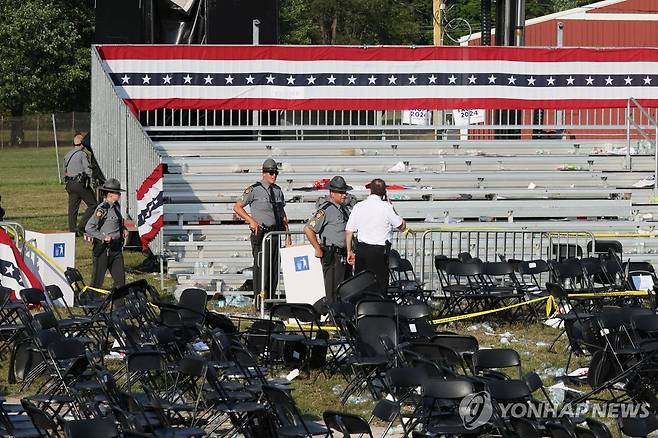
(373, 220)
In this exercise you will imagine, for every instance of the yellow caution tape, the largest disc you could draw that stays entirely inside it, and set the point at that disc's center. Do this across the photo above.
(308, 327)
(40, 253)
(489, 311)
(95, 289)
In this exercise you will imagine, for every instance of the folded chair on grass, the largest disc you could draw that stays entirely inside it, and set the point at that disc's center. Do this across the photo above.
(440, 412)
(16, 426)
(373, 342)
(304, 344)
(360, 286)
(346, 424)
(465, 291)
(96, 428)
(404, 286)
(464, 345)
(11, 326)
(290, 422)
(489, 363)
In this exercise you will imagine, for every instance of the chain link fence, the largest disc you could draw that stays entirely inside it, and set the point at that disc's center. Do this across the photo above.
(37, 130)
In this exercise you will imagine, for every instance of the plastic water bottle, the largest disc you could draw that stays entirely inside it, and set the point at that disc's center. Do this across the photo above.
(197, 268)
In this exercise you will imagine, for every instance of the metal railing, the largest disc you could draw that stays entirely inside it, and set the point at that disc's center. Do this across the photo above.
(122, 147)
(37, 130)
(266, 258)
(489, 245)
(17, 234)
(641, 129)
(603, 123)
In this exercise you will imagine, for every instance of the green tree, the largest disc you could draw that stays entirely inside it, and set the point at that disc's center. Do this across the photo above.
(44, 57)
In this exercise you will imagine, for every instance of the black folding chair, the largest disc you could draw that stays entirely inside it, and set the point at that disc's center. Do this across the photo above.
(290, 420)
(346, 424)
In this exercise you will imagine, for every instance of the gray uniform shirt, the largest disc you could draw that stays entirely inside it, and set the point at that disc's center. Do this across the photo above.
(257, 197)
(76, 162)
(328, 222)
(112, 225)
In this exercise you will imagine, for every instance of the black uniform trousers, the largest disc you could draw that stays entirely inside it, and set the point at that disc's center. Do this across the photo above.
(336, 270)
(109, 257)
(271, 277)
(79, 192)
(373, 258)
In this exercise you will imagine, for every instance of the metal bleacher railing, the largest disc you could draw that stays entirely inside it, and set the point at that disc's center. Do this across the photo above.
(529, 176)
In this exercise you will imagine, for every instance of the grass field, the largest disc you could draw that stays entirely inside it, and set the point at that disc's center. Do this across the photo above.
(32, 196)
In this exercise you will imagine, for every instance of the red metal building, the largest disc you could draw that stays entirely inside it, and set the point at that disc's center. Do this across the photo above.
(608, 23)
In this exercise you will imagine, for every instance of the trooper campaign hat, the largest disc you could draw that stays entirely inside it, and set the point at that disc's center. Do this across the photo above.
(338, 184)
(111, 185)
(269, 165)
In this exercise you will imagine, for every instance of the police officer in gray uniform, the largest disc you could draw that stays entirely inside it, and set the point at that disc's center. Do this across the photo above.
(108, 231)
(77, 176)
(266, 202)
(326, 232)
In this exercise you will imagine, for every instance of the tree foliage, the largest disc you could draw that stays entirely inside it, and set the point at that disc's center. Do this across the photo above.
(386, 21)
(44, 55)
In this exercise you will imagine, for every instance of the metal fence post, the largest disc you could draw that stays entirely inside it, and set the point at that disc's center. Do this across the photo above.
(59, 170)
(628, 134)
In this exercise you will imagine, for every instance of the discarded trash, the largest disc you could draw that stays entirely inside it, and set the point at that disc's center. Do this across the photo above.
(580, 372)
(558, 391)
(238, 301)
(200, 346)
(646, 182)
(292, 374)
(355, 399)
(399, 167)
(532, 186)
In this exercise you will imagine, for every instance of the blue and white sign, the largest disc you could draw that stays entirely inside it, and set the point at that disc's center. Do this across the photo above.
(302, 274)
(57, 247)
(59, 250)
(301, 263)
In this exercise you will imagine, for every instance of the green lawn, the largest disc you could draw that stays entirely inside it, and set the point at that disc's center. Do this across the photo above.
(32, 196)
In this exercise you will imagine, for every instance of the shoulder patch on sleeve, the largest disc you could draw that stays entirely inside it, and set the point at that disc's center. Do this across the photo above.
(316, 217)
(101, 212)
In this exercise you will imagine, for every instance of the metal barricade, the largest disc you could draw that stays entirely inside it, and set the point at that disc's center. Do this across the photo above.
(489, 245)
(266, 258)
(564, 245)
(17, 234)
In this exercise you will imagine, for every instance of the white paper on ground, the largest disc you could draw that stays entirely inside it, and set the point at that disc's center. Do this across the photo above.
(580, 372)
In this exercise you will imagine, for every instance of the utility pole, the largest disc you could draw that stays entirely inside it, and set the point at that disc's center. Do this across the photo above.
(437, 12)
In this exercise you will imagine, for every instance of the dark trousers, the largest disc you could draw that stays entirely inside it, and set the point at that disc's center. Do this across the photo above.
(111, 259)
(77, 193)
(271, 277)
(336, 270)
(373, 258)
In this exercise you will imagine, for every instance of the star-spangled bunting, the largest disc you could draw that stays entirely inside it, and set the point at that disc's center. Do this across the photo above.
(383, 80)
(150, 203)
(14, 272)
(10, 270)
(318, 77)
